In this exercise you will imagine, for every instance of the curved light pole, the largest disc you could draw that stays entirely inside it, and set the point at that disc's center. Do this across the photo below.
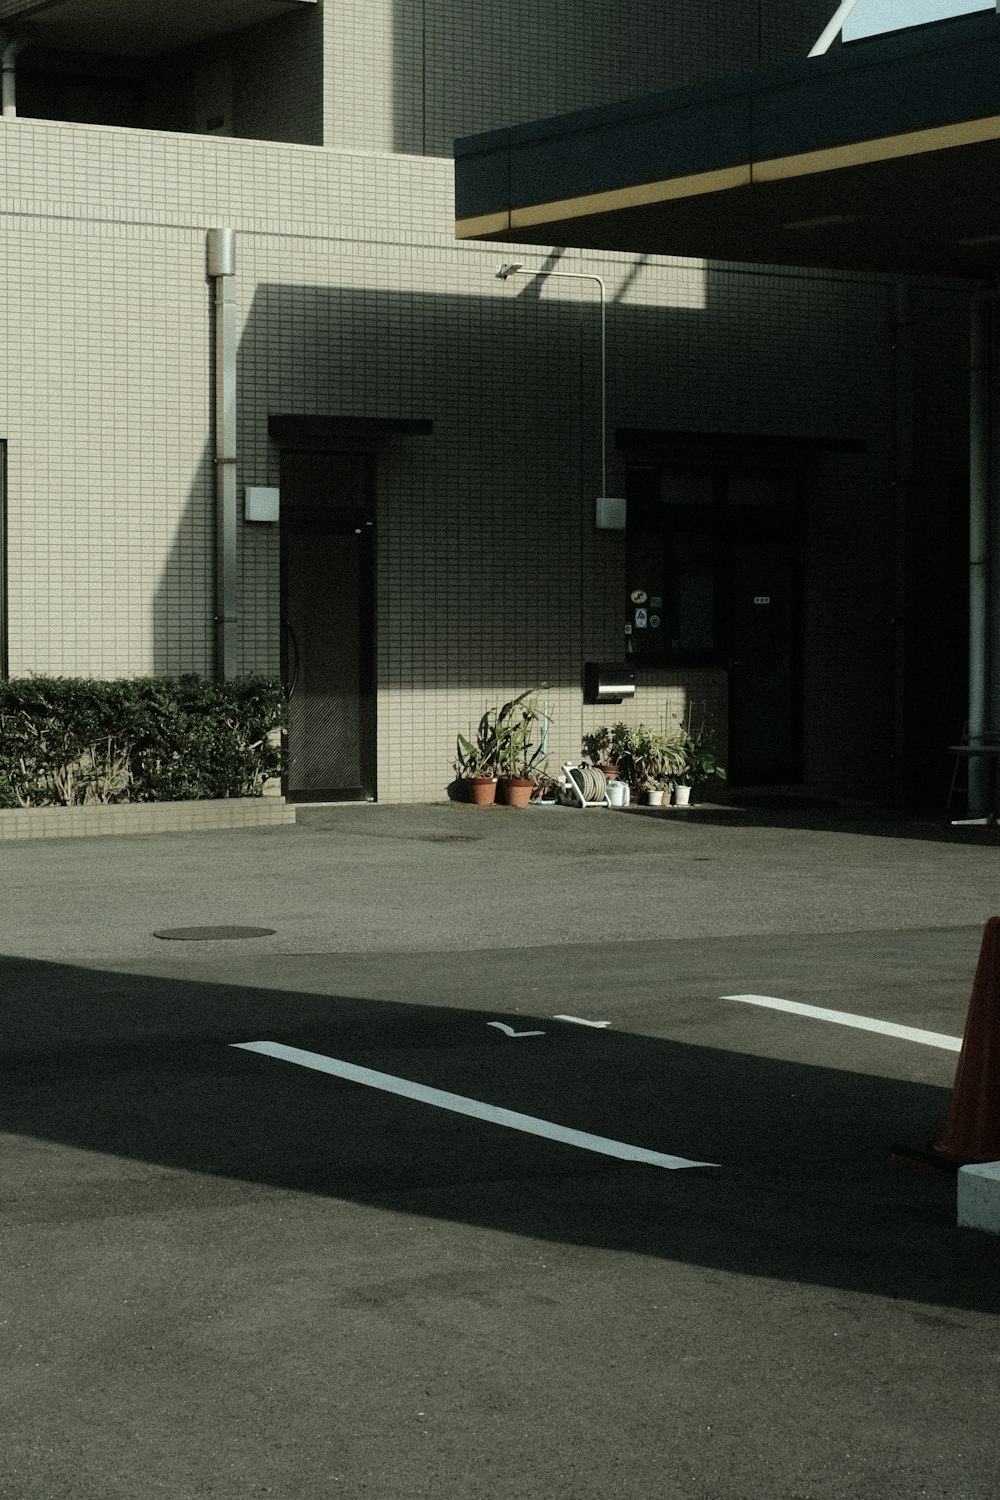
(514, 268)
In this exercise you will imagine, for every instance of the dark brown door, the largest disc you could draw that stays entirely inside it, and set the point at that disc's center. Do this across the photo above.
(764, 731)
(328, 624)
(765, 671)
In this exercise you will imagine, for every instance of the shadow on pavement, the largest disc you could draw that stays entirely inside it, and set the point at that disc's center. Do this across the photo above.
(139, 1069)
(817, 816)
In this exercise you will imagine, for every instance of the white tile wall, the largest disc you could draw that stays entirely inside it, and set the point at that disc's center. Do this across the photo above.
(354, 298)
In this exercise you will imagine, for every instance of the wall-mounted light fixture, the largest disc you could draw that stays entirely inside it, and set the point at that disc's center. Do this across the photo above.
(261, 503)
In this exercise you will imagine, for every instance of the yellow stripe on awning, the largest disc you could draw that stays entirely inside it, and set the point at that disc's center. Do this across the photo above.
(885, 148)
(723, 179)
(475, 228)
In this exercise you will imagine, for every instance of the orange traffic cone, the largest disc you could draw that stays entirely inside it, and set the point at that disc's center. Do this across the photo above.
(973, 1130)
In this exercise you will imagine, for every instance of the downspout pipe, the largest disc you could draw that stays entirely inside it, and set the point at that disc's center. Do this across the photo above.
(993, 503)
(903, 440)
(8, 76)
(980, 629)
(222, 270)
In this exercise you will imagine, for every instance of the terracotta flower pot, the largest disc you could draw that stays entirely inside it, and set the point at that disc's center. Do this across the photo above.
(516, 791)
(482, 790)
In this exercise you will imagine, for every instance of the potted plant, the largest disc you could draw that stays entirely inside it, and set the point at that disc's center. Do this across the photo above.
(522, 731)
(597, 745)
(544, 787)
(699, 764)
(625, 750)
(477, 761)
(648, 759)
(662, 764)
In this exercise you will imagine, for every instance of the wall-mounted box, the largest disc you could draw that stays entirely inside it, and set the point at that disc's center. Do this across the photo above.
(609, 514)
(608, 682)
(261, 503)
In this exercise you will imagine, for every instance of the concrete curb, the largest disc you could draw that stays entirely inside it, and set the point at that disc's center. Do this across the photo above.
(143, 817)
(979, 1196)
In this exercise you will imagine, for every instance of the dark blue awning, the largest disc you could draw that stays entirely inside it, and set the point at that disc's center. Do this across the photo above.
(883, 155)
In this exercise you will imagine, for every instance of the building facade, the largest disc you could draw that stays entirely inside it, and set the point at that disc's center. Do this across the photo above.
(435, 433)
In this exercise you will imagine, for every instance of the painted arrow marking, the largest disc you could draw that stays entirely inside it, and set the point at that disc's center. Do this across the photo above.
(459, 1105)
(509, 1030)
(579, 1021)
(848, 1018)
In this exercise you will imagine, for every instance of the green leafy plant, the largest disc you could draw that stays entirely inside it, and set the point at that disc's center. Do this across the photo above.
(69, 741)
(597, 745)
(700, 760)
(508, 741)
(521, 727)
(646, 757)
(700, 763)
(481, 756)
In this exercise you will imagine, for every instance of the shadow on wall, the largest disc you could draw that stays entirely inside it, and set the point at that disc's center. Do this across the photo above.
(491, 574)
(459, 69)
(141, 1069)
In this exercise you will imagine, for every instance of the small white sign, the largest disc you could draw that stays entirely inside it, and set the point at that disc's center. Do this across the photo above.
(640, 619)
(762, 598)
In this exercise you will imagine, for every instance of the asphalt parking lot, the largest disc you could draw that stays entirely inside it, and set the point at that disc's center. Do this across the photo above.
(399, 1247)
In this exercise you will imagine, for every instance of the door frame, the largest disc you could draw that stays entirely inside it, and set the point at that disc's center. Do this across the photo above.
(361, 520)
(727, 525)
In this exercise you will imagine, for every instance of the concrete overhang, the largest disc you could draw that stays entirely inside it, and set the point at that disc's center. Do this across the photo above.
(125, 28)
(881, 156)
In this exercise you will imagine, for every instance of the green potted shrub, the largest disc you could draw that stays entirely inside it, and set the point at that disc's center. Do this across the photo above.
(522, 731)
(477, 762)
(648, 759)
(663, 762)
(625, 749)
(700, 764)
(597, 747)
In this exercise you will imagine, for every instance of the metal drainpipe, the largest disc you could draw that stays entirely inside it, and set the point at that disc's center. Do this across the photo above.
(902, 345)
(980, 669)
(993, 502)
(8, 77)
(222, 270)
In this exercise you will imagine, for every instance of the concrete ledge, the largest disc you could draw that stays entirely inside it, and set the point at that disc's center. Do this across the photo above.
(143, 817)
(979, 1196)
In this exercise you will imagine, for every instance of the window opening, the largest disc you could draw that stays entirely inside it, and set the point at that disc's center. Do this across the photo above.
(875, 17)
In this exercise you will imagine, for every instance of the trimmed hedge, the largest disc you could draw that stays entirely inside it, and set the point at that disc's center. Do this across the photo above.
(65, 741)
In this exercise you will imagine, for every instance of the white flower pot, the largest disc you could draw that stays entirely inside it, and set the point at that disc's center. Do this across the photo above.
(618, 793)
(654, 796)
(682, 796)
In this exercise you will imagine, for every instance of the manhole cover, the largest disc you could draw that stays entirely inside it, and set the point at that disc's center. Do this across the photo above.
(210, 934)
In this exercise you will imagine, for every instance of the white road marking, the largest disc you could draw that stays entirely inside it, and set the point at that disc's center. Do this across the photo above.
(579, 1021)
(509, 1030)
(861, 1023)
(459, 1105)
